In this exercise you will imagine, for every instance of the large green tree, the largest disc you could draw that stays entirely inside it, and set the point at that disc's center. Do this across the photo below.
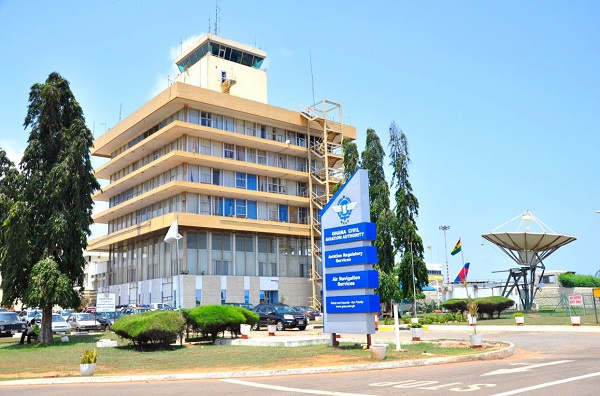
(372, 159)
(51, 216)
(407, 241)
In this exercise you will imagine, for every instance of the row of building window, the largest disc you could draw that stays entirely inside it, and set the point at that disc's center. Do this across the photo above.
(218, 177)
(221, 150)
(224, 123)
(214, 206)
(210, 253)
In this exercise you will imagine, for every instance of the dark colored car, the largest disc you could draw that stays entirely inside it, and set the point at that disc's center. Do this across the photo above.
(10, 324)
(243, 305)
(281, 315)
(106, 319)
(310, 313)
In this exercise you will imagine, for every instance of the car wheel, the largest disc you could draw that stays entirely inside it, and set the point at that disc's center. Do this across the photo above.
(255, 327)
(106, 327)
(301, 328)
(76, 329)
(280, 326)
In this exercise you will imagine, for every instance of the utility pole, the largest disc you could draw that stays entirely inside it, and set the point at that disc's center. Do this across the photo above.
(446, 228)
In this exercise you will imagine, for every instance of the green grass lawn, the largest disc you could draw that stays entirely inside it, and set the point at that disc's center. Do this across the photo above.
(62, 359)
(542, 317)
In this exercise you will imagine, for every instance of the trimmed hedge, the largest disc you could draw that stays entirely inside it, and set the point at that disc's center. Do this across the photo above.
(491, 305)
(157, 327)
(487, 305)
(456, 305)
(214, 319)
(571, 280)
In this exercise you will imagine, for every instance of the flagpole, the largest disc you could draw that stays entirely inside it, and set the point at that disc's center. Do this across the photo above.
(178, 271)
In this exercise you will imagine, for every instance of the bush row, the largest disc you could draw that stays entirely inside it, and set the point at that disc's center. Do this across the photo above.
(487, 305)
(163, 327)
(572, 280)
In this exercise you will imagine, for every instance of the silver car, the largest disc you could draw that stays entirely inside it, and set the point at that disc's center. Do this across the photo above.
(83, 322)
(59, 324)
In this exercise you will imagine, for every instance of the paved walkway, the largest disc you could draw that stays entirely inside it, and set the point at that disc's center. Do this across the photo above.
(314, 335)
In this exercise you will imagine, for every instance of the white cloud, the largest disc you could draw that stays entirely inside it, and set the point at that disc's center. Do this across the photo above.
(14, 150)
(164, 79)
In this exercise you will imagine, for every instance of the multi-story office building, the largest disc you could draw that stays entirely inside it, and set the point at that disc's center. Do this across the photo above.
(245, 181)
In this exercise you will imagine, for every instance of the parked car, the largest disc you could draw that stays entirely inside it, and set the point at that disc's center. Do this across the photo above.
(243, 305)
(281, 315)
(89, 310)
(83, 322)
(29, 314)
(134, 310)
(59, 324)
(311, 313)
(65, 313)
(10, 324)
(107, 319)
(160, 306)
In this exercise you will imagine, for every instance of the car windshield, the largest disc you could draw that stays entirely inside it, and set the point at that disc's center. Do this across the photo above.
(284, 309)
(85, 317)
(57, 318)
(8, 317)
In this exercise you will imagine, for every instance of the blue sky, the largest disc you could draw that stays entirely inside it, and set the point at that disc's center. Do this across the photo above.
(499, 100)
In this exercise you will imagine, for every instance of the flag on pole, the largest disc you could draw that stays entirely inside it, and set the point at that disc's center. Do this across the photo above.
(173, 234)
(456, 248)
(462, 275)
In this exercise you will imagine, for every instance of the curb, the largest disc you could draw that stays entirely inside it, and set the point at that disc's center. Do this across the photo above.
(507, 350)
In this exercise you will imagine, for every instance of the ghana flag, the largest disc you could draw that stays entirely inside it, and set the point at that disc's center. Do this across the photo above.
(456, 248)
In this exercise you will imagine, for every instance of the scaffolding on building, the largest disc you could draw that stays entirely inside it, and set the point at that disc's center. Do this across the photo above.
(326, 168)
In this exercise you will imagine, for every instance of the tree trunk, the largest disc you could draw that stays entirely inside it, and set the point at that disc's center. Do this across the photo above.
(45, 336)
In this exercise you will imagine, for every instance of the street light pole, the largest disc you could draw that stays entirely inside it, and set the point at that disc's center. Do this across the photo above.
(446, 228)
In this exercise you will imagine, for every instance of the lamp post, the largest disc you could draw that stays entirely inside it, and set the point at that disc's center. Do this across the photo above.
(446, 228)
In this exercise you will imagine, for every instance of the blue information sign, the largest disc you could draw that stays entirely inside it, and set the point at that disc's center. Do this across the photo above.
(352, 280)
(351, 256)
(353, 304)
(350, 233)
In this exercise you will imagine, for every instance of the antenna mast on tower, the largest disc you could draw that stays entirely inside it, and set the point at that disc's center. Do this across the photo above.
(217, 8)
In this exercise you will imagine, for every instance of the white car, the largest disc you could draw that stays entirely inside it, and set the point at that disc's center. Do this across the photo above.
(59, 324)
(83, 322)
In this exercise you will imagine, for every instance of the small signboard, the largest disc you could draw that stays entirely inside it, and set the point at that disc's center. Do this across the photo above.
(596, 293)
(576, 300)
(105, 302)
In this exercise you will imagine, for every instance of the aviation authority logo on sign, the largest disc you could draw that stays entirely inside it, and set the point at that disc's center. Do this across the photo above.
(344, 208)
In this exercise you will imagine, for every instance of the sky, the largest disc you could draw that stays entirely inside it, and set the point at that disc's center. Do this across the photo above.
(499, 101)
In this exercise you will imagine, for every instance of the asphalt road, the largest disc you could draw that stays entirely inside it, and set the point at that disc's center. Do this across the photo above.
(545, 363)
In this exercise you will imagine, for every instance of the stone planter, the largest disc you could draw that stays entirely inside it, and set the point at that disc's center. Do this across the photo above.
(87, 369)
(416, 333)
(378, 351)
(575, 320)
(520, 320)
(476, 341)
(272, 329)
(245, 330)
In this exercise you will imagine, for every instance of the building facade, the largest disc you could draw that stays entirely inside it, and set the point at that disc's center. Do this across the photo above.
(244, 180)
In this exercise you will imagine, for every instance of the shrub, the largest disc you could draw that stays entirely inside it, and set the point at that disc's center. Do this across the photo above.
(572, 280)
(160, 327)
(415, 325)
(517, 314)
(493, 305)
(214, 319)
(455, 305)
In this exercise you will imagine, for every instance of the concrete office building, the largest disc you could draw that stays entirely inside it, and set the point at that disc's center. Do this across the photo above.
(244, 179)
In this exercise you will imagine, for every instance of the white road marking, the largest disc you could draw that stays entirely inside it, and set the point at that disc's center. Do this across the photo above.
(287, 389)
(547, 384)
(526, 367)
